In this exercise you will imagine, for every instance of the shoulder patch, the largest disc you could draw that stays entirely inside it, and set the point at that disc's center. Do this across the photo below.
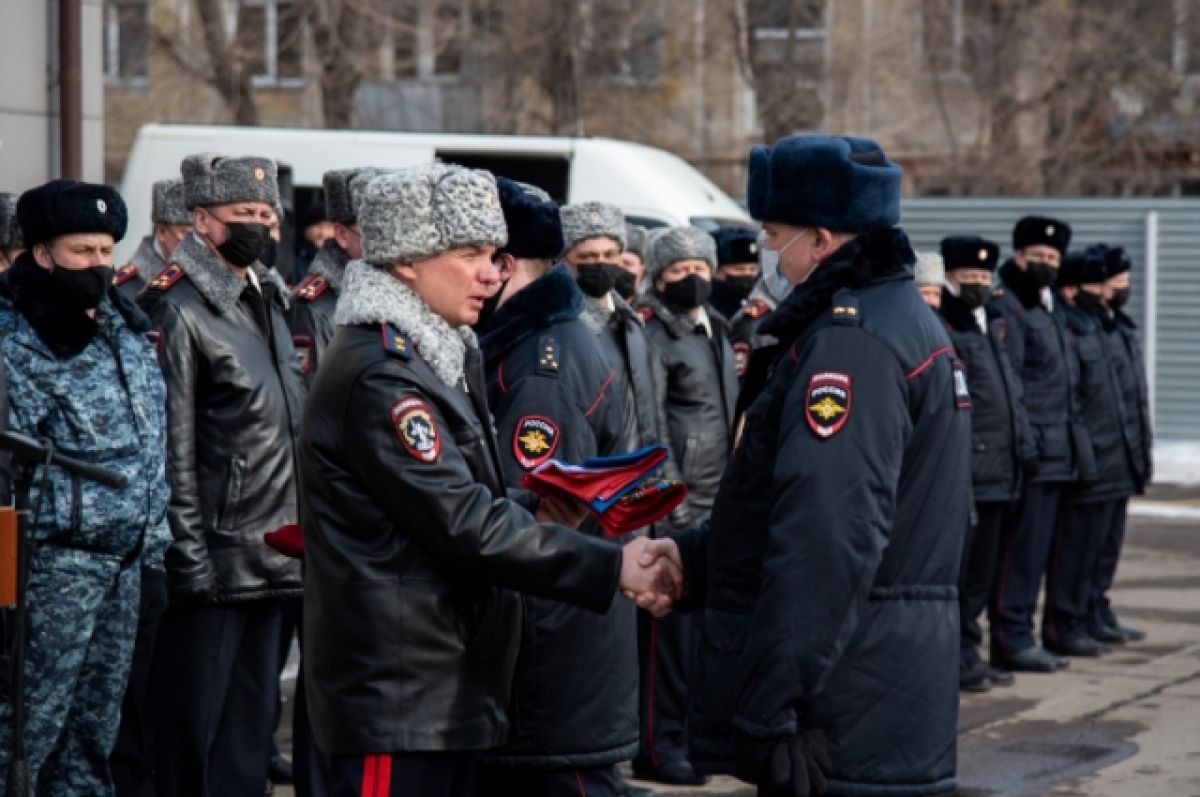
(416, 429)
(166, 278)
(535, 439)
(645, 313)
(547, 356)
(312, 287)
(395, 343)
(827, 402)
(962, 394)
(124, 274)
(303, 344)
(756, 308)
(741, 357)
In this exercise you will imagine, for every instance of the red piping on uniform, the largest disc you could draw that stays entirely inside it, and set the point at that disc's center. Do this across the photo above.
(579, 783)
(650, 678)
(792, 351)
(500, 377)
(914, 373)
(1052, 576)
(377, 775)
(600, 397)
(998, 626)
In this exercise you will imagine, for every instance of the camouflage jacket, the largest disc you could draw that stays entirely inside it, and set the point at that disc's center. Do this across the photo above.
(95, 390)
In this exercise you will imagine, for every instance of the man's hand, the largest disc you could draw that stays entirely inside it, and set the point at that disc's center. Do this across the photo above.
(561, 510)
(652, 574)
(786, 766)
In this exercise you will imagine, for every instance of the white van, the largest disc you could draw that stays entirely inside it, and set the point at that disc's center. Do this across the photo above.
(653, 187)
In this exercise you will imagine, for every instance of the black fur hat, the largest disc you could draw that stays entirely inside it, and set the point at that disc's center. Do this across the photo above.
(969, 251)
(1034, 230)
(1082, 267)
(62, 207)
(534, 226)
(1116, 261)
(736, 245)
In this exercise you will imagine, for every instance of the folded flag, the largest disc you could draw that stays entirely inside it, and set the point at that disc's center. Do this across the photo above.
(613, 487)
(288, 540)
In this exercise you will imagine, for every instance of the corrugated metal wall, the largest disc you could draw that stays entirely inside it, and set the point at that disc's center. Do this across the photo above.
(1176, 306)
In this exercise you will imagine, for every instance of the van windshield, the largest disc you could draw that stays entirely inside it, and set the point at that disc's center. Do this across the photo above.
(712, 224)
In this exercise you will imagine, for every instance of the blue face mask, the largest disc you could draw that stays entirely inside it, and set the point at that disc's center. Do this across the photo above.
(776, 284)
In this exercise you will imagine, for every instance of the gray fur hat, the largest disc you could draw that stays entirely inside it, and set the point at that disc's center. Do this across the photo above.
(167, 206)
(593, 220)
(929, 269)
(10, 229)
(635, 239)
(341, 200)
(212, 179)
(422, 211)
(672, 244)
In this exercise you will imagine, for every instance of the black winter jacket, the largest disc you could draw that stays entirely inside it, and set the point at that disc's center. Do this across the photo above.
(1000, 435)
(1130, 368)
(313, 302)
(1035, 341)
(549, 387)
(233, 411)
(1101, 410)
(697, 385)
(144, 266)
(411, 545)
(744, 337)
(828, 572)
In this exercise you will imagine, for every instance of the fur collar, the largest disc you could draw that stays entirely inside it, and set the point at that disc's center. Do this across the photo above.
(330, 263)
(551, 298)
(149, 263)
(957, 315)
(680, 326)
(217, 282)
(873, 257)
(65, 330)
(372, 296)
(1025, 289)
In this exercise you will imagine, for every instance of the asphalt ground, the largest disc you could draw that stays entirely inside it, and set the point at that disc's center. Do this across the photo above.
(1125, 724)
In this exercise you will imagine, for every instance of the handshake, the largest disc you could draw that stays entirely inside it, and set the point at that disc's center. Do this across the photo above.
(652, 574)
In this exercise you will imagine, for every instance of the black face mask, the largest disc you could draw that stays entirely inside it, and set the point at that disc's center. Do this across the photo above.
(244, 242)
(626, 284)
(1088, 302)
(597, 279)
(740, 286)
(1041, 273)
(687, 293)
(1119, 298)
(974, 296)
(83, 288)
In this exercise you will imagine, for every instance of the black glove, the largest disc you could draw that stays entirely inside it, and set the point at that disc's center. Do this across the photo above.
(783, 766)
(1029, 469)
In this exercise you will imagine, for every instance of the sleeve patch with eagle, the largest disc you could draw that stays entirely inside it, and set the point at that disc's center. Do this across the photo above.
(827, 404)
(416, 429)
(535, 440)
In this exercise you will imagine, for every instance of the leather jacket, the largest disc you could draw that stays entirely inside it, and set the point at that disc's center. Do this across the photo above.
(311, 313)
(233, 411)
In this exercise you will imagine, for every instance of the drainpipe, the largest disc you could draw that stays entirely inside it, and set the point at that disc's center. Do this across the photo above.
(70, 90)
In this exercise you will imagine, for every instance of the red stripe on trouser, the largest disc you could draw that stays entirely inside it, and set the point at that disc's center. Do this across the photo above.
(377, 775)
(579, 783)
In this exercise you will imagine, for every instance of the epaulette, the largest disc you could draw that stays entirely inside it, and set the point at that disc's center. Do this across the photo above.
(166, 278)
(395, 342)
(756, 308)
(645, 313)
(547, 356)
(997, 292)
(845, 309)
(124, 274)
(312, 287)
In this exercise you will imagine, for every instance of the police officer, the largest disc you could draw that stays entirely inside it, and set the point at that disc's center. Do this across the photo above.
(411, 640)
(737, 269)
(1035, 341)
(633, 267)
(744, 337)
(172, 221)
(1000, 436)
(234, 402)
(549, 389)
(11, 244)
(1129, 365)
(81, 373)
(314, 299)
(1088, 510)
(828, 570)
(697, 385)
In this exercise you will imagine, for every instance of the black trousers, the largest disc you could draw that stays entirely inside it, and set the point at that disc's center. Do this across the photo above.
(502, 781)
(311, 766)
(402, 775)
(665, 651)
(132, 758)
(218, 670)
(1025, 551)
(1100, 611)
(1071, 573)
(977, 575)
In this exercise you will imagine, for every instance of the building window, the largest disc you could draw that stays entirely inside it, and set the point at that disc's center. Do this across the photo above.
(426, 38)
(270, 39)
(126, 50)
(624, 41)
(940, 37)
(790, 56)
